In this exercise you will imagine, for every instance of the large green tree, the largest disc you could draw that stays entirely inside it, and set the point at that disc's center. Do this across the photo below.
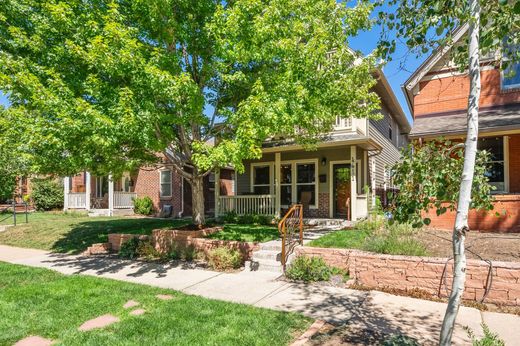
(105, 85)
(492, 27)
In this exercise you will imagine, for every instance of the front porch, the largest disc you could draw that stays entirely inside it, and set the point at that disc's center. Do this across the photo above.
(331, 182)
(99, 195)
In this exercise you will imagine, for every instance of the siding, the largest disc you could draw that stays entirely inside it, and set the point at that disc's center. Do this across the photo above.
(388, 155)
(382, 126)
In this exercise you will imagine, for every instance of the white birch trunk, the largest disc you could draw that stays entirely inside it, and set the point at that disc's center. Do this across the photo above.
(470, 153)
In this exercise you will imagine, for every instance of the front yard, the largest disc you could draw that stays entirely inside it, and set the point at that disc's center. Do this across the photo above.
(51, 305)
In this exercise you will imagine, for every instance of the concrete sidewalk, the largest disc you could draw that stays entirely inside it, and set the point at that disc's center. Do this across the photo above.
(368, 310)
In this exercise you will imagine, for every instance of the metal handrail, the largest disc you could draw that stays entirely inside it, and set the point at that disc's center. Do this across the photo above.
(14, 205)
(288, 225)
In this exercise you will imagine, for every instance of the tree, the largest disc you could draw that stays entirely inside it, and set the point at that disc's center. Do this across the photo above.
(493, 26)
(105, 85)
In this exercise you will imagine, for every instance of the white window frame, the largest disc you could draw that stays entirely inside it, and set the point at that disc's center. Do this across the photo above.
(507, 87)
(505, 153)
(161, 183)
(252, 184)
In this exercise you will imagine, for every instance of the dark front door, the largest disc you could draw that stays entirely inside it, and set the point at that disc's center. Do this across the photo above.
(341, 190)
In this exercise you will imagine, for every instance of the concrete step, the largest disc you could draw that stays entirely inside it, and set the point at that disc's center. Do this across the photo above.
(264, 265)
(274, 245)
(327, 222)
(273, 255)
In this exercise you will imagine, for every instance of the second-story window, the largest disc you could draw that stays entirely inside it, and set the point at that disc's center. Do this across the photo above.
(390, 128)
(511, 76)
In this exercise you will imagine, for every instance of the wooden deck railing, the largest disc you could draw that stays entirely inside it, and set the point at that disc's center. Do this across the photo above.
(291, 231)
(124, 200)
(77, 200)
(248, 204)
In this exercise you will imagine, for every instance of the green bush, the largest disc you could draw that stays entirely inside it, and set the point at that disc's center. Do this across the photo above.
(489, 338)
(47, 194)
(143, 206)
(222, 258)
(395, 239)
(311, 269)
(129, 249)
(146, 250)
(400, 340)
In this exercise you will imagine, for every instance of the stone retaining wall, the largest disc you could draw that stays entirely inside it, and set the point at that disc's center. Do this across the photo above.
(424, 273)
(165, 240)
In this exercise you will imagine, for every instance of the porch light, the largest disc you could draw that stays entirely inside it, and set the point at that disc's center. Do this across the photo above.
(324, 161)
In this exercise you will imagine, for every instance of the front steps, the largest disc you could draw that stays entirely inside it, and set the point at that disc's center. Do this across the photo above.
(268, 258)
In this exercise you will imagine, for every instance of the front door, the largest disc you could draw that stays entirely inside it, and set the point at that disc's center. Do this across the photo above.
(341, 189)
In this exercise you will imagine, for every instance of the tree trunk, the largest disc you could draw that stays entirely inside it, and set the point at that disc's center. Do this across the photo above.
(461, 221)
(197, 199)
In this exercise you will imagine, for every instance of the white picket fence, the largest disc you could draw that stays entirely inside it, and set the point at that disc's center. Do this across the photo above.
(124, 200)
(249, 204)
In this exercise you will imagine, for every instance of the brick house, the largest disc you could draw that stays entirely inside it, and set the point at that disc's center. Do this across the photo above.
(332, 181)
(437, 94)
(104, 195)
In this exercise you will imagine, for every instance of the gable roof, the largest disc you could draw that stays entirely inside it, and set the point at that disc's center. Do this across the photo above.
(428, 64)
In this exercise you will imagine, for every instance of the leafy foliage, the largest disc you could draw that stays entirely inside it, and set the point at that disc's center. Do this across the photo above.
(105, 85)
(428, 178)
(311, 269)
(129, 248)
(395, 239)
(143, 205)
(400, 340)
(47, 194)
(489, 338)
(247, 219)
(223, 258)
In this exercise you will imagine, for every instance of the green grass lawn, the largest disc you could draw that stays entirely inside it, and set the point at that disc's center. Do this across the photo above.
(351, 239)
(74, 232)
(48, 304)
(249, 233)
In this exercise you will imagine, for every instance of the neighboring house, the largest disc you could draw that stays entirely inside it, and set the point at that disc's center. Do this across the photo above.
(332, 181)
(437, 95)
(107, 196)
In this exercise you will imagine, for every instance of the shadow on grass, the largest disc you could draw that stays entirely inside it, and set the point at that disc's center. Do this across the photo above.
(249, 233)
(86, 233)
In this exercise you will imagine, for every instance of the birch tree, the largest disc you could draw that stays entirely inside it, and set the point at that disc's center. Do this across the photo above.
(493, 26)
(105, 85)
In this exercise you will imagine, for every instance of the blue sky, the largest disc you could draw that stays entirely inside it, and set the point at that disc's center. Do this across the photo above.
(394, 71)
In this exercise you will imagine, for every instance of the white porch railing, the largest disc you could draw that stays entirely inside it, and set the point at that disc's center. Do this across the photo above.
(343, 123)
(77, 200)
(124, 200)
(249, 204)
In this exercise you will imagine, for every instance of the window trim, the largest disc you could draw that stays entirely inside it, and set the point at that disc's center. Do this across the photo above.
(252, 184)
(161, 183)
(507, 87)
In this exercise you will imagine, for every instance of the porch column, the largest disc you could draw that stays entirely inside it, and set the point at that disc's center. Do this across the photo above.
(277, 186)
(87, 190)
(110, 195)
(217, 193)
(353, 183)
(66, 184)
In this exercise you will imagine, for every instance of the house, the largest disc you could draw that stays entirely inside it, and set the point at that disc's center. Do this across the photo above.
(105, 195)
(437, 94)
(331, 182)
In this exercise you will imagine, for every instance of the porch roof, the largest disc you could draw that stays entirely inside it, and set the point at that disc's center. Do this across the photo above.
(495, 119)
(329, 140)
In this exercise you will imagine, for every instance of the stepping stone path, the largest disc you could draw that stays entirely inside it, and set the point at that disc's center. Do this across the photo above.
(137, 312)
(130, 304)
(164, 296)
(98, 322)
(34, 341)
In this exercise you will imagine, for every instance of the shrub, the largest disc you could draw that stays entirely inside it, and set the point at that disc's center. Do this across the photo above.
(222, 258)
(395, 239)
(129, 249)
(189, 253)
(489, 338)
(143, 206)
(400, 340)
(146, 250)
(310, 269)
(247, 219)
(47, 194)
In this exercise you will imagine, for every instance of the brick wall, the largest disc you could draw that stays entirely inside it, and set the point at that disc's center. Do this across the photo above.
(507, 220)
(424, 273)
(451, 93)
(147, 183)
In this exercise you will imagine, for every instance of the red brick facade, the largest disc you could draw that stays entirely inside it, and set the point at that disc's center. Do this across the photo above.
(451, 93)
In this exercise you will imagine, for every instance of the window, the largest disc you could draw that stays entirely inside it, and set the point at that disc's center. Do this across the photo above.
(211, 181)
(390, 128)
(495, 173)
(286, 184)
(306, 183)
(511, 76)
(166, 183)
(261, 180)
